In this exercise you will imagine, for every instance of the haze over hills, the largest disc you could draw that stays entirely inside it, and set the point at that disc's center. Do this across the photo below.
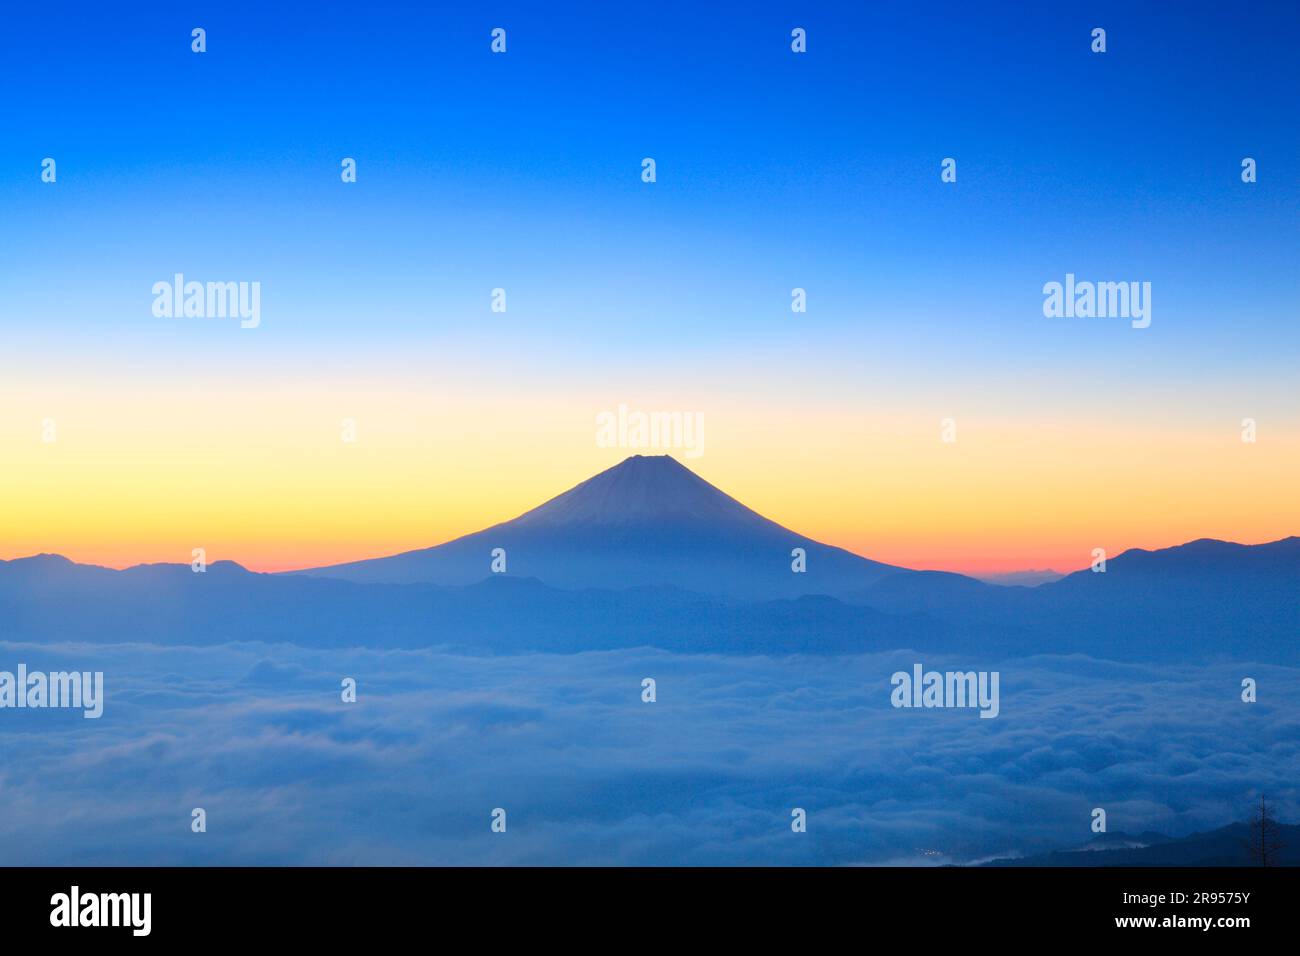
(648, 521)
(1029, 578)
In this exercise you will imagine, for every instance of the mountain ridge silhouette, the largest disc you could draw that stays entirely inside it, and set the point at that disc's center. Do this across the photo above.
(647, 553)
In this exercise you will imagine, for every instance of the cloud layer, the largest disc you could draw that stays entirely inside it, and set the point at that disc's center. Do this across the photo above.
(258, 736)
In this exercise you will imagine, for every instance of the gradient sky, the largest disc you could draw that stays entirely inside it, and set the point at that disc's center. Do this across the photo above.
(522, 171)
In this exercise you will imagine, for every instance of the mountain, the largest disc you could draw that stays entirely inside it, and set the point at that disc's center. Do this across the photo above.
(1226, 846)
(647, 522)
(1205, 598)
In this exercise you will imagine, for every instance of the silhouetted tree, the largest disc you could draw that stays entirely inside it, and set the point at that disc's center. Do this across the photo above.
(1265, 838)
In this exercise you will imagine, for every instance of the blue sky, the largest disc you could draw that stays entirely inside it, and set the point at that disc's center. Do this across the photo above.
(775, 170)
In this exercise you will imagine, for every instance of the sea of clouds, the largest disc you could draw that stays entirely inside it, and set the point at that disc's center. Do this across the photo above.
(288, 773)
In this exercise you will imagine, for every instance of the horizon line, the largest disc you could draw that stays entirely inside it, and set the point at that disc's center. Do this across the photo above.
(289, 570)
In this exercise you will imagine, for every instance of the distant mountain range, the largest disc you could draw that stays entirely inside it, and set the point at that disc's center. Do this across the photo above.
(1226, 846)
(648, 553)
(48, 598)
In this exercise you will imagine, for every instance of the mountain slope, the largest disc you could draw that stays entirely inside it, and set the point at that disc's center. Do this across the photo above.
(1205, 598)
(646, 522)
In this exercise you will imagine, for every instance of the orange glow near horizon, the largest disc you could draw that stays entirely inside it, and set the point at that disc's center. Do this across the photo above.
(261, 476)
